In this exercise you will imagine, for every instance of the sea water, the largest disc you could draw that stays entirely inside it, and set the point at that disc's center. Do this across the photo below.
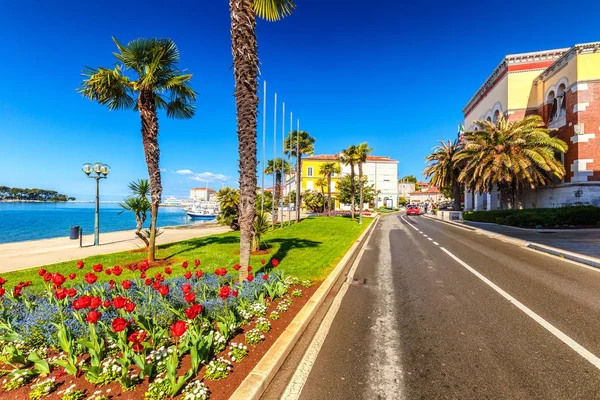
(32, 221)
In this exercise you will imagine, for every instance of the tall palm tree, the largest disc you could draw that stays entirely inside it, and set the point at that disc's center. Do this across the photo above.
(349, 157)
(444, 168)
(327, 170)
(157, 84)
(362, 152)
(510, 155)
(297, 144)
(244, 48)
(276, 166)
(321, 183)
(139, 205)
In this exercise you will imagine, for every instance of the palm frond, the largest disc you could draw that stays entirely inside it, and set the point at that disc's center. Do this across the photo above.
(273, 10)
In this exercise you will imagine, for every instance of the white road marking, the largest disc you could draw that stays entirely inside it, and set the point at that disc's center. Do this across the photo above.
(429, 238)
(583, 352)
(436, 243)
(296, 384)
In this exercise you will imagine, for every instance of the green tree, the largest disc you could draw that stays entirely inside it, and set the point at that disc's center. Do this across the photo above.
(510, 155)
(299, 143)
(244, 49)
(402, 201)
(157, 84)
(262, 225)
(327, 170)
(443, 169)
(314, 201)
(276, 166)
(344, 187)
(229, 203)
(349, 156)
(139, 205)
(362, 152)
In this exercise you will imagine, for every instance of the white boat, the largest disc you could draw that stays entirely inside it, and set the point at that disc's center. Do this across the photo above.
(206, 210)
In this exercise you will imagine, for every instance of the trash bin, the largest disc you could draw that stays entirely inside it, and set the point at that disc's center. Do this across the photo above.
(74, 233)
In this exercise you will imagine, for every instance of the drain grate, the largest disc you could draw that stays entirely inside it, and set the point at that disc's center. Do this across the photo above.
(359, 281)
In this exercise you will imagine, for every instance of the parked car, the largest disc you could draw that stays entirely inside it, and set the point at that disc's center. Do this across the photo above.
(413, 210)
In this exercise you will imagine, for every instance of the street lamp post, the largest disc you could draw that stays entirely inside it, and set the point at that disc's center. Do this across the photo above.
(101, 171)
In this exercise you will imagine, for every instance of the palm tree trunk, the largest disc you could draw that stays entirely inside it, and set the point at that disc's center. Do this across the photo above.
(138, 232)
(245, 64)
(456, 195)
(147, 107)
(352, 189)
(360, 182)
(298, 185)
(329, 195)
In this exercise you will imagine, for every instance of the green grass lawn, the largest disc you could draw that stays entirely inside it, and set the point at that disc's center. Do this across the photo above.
(308, 250)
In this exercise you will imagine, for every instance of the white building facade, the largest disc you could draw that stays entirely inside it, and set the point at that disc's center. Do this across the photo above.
(202, 194)
(382, 174)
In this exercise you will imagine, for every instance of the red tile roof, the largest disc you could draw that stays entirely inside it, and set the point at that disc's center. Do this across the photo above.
(431, 190)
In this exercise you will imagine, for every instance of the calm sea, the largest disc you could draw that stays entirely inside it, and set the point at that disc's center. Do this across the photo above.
(32, 221)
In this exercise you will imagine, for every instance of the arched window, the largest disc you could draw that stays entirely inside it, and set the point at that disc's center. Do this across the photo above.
(553, 105)
(489, 119)
(561, 101)
(496, 116)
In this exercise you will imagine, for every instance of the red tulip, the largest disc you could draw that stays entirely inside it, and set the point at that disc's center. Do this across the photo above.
(90, 278)
(163, 290)
(187, 274)
(93, 316)
(224, 292)
(119, 302)
(60, 293)
(80, 264)
(275, 262)
(58, 279)
(184, 264)
(159, 277)
(2, 291)
(186, 288)
(41, 272)
(148, 282)
(95, 302)
(106, 303)
(136, 338)
(72, 275)
(143, 275)
(17, 291)
(199, 274)
(47, 277)
(81, 302)
(117, 270)
(237, 267)
(108, 271)
(249, 268)
(71, 292)
(265, 277)
(178, 328)
(156, 285)
(196, 263)
(97, 268)
(190, 297)
(250, 277)
(168, 270)
(111, 284)
(130, 306)
(193, 311)
(126, 284)
(234, 293)
(119, 324)
(262, 261)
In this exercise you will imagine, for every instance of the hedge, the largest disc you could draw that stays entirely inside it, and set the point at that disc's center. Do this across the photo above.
(546, 217)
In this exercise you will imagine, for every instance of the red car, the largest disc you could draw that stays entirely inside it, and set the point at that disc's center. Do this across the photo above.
(413, 210)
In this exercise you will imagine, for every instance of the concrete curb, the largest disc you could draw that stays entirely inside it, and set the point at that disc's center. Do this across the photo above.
(580, 258)
(255, 384)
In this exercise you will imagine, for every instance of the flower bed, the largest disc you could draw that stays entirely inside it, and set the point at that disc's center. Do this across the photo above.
(177, 332)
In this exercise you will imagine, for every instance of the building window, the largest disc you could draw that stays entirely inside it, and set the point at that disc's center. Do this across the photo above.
(496, 116)
(310, 171)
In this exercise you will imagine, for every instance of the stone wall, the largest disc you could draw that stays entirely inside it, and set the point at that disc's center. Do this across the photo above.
(562, 195)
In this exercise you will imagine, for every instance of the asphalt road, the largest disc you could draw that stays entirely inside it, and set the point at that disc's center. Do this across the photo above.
(438, 312)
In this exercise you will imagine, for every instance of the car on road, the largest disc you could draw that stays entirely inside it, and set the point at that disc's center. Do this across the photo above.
(413, 210)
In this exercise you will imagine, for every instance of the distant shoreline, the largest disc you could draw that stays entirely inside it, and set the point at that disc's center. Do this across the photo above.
(40, 201)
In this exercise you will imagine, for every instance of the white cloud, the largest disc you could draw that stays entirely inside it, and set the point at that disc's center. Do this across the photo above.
(163, 170)
(184, 172)
(208, 176)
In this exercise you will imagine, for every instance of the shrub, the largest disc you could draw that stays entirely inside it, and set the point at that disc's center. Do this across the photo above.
(585, 215)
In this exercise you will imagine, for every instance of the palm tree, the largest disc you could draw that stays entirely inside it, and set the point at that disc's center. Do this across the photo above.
(276, 166)
(327, 170)
(298, 143)
(139, 205)
(444, 168)
(362, 152)
(158, 84)
(321, 183)
(510, 155)
(349, 157)
(229, 203)
(244, 49)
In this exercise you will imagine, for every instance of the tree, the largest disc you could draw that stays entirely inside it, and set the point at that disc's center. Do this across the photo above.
(158, 84)
(510, 155)
(344, 187)
(139, 205)
(402, 201)
(321, 183)
(349, 157)
(276, 166)
(314, 201)
(297, 144)
(244, 49)
(229, 203)
(443, 169)
(411, 179)
(362, 152)
(261, 227)
(327, 170)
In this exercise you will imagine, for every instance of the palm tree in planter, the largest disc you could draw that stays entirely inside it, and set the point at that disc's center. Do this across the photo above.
(156, 83)
(510, 155)
(328, 170)
(139, 205)
(299, 143)
(276, 167)
(443, 168)
(362, 152)
(349, 157)
(244, 49)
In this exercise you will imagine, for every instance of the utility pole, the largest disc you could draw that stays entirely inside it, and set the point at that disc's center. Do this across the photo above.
(298, 171)
(264, 134)
(273, 197)
(280, 193)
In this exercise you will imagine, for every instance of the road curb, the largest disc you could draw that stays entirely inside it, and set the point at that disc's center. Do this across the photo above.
(255, 384)
(580, 258)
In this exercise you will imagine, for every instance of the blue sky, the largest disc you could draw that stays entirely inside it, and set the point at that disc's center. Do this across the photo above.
(392, 74)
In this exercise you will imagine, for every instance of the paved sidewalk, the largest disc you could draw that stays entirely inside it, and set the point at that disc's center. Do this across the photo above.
(21, 255)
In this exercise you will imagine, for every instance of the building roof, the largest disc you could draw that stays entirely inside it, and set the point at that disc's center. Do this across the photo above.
(333, 157)
(204, 189)
(431, 190)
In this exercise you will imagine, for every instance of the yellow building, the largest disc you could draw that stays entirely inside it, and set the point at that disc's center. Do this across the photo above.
(311, 167)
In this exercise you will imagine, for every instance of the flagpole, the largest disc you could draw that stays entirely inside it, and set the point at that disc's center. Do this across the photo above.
(274, 163)
(264, 134)
(280, 193)
(296, 178)
(298, 171)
